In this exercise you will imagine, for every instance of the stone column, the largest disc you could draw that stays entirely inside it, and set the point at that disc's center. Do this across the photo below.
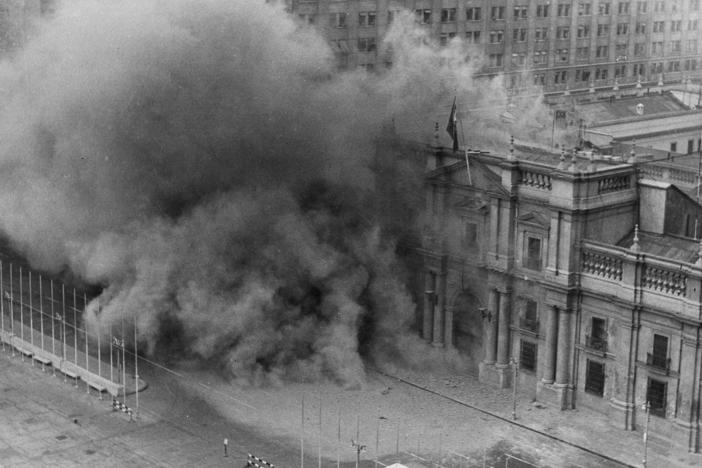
(563, 349)
(503, 330)
(550, 345)
(491, 328)
(428, 315)
(438, 336)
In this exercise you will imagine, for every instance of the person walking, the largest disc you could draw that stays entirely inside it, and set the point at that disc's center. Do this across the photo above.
(226, 447)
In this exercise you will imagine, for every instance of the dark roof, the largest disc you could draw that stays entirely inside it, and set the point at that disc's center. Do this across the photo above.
(664, 245)
(616, 109)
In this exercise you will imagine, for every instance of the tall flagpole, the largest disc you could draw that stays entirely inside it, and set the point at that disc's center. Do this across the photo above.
(75, 330)
(112, 339)
(31, 313)
(41, 313)
(87, 350)
(12, 311)
(53, 319)
(124, 363)
(2, 310)
(63, 318)
(136, 368)
(99, 329)
(21, 304)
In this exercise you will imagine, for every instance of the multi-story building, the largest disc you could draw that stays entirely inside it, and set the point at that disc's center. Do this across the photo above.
(580, 276)
(15, 18)
(558, 44)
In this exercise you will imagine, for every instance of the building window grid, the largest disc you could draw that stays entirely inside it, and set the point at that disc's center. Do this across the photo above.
(473, 37)
(602, 51)
(366, 44)
(658, 26)
(692, 25)
(562, 55)
(540, 57)
(676, 26)
(582, 75)
(582, 53)
(533, 253)
(496, 60)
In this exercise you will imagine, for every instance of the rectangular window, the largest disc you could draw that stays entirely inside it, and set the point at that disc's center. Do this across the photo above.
(659, 357)
(583, 31)
(690, 146)
(423, 16)
(338, 20)
(673, 146)
(598, 334)
(563, 9)
(639, 49)
(694, 5)
(542, 11)
(692, 25)
(640, 28)
(692, 45)
(473, 14)
(497, 13)
(656, 397)
(623, 8)
(562, 32)
(527, 355)
(622, 29)
(584, 9)
(595, 378)
(473, 37)
(602, 51)
(602, 30)
(539, 79)
(582, 53)
(582, 75)
(560, 76)
(639, 69)
(448, 15)
(658, 26)
(562, 55)
(496, 60)
(603, 8)
(520, 12)
(540, 57)
(530, 319)
(601, 73)
(676, 26)
(470, 234)
(659, 6)
(444, 38)
(497, 36)
(675, 47)
(641, 7)
(657, 48)
(540, 34)
(533, 253)
(366, 18)
(307, 18)
(519, 35)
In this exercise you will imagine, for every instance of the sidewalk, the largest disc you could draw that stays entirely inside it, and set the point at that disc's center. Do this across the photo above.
(582, 427)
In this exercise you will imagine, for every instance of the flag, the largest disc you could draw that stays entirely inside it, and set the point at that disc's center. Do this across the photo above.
(452, 126)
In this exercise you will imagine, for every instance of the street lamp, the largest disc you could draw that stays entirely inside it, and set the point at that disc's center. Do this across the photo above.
(647, 408)
(515, 368)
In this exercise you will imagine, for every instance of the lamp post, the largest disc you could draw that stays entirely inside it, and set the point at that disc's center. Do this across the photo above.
(647, 408)
(515, 368)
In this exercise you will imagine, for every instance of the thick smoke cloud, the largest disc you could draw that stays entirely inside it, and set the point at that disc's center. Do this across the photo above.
(206, 163)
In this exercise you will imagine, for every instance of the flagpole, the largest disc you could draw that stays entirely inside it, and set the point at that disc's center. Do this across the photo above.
(31, 314)
(75, 330)
(12, 311)
(63, 318)
(136, 368)
(21, 304)
(41, 313)
(112, 339)
(87, 350)
(97, 320)
(53, 326)
(124, 363)
(2, 310)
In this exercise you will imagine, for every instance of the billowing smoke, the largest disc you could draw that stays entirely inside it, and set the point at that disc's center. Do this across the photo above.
(207, 165)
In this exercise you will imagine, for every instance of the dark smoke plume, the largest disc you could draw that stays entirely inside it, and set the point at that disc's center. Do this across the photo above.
(206, 163)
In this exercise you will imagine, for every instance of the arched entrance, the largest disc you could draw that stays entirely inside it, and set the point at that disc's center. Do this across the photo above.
(468, 328)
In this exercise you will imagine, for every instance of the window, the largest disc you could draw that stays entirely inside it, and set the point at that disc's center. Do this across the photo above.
(338, 20)
(656, 397)
(582, 53)
(603, 8)
(533, 253)
(657, 48)
(473, 14)
(676, 26)
(560, 76)
(657, 67)
(448, 15)
(307, 18)
(529, 320)
(497, 36)
(539, 79)
(692, 25)
(659, 357)
(470, 234)
(659, 6)
(620, 52)
(602, 51)
(598, 334)
(602, 30)
(694, 5)
(519, 35)
(366, 18)
(601, 74)
(640, 28)
(675, 47)
(366, 44)
(595, 378)
(692, 45)
(584, 9)
(540, 34)
(641, 7)
(639, 49)
(658, 26)
(690, 64)
(496, 60)
(444, 38)
(622, 29)
(563, 9)
(562, 32)
(582, 75)
(623, 8)
(690, 146)
(423, 16)
(542, 11)
(520, 12)
(473, 37)
(639, 69)
(497, 13)
(562, 55)
(674, 147)
(527, 355)
(540, 57)
(583, 31)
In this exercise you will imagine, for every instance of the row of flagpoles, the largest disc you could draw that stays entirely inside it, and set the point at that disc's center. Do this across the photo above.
(64, 309)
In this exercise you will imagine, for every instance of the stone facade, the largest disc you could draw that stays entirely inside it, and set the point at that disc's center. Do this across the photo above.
(541, 265)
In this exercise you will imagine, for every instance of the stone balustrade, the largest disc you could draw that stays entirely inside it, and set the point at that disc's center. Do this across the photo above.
(535, 179)
(613, 184)
(601, 264)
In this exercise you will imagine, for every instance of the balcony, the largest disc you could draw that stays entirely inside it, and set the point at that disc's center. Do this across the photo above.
(658, 362)
(596, 343)
(531, 325)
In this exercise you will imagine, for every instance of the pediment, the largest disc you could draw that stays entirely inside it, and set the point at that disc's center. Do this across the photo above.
(479, 177)
(534, 218)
